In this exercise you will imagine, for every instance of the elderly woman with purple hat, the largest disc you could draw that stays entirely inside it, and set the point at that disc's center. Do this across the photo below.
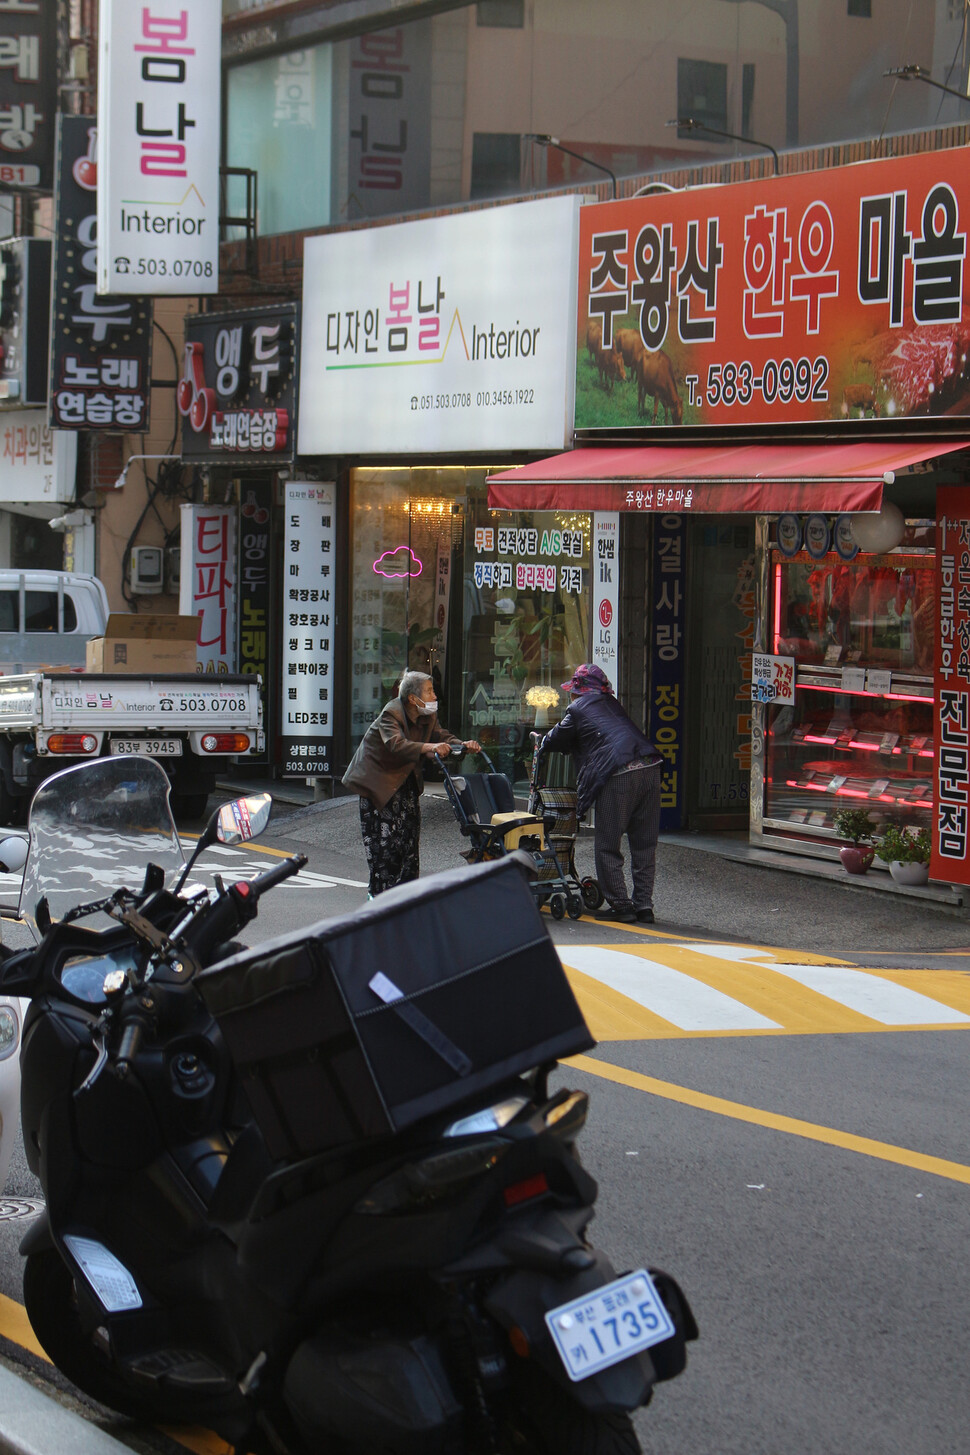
(618, 769)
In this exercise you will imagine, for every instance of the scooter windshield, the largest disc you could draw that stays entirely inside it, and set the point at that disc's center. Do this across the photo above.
(93, 829)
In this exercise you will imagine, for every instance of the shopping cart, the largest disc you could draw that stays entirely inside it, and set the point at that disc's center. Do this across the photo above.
(484, 807)
(557, 808)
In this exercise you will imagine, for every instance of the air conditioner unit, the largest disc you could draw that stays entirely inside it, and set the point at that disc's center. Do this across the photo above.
(147, 576)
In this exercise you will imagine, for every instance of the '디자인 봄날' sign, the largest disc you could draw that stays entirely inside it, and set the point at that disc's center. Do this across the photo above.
(831, 295)
(447, 333)
(158, 146)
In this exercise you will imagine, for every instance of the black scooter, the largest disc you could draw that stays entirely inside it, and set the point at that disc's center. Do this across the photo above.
(430, 1290)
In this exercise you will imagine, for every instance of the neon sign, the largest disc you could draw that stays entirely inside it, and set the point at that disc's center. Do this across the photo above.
(407, 567)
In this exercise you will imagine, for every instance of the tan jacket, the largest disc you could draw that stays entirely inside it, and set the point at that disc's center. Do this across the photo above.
(390, 750)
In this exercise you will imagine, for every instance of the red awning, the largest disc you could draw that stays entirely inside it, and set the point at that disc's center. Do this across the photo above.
(713, 479)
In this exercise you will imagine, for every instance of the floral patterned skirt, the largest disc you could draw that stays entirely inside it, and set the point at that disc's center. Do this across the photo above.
(392, 837)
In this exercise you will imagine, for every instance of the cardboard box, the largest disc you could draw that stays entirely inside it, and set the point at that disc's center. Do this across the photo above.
(144, 643)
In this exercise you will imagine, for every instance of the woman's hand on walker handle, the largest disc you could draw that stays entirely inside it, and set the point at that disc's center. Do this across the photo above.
(436, 750)
(472, 747)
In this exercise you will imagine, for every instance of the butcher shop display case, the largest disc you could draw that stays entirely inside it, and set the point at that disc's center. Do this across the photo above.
(860, 731)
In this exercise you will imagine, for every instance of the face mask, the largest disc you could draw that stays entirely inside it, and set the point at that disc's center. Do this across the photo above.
(428, 709)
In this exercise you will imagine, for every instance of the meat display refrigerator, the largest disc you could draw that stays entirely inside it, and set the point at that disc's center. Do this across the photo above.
(860, 731)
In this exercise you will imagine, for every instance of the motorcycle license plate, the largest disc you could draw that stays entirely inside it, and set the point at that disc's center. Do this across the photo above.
(609, 1324)
(146, 747)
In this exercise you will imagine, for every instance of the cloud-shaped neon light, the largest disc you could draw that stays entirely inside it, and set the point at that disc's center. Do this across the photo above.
(406, 564)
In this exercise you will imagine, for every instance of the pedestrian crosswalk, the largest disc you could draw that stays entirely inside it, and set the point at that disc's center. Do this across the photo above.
(651, 990)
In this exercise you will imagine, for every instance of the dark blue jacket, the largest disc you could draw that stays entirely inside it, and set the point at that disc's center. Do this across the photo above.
(602, 740)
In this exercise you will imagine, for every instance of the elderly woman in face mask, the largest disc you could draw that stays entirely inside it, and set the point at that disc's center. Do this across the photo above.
(386, 772)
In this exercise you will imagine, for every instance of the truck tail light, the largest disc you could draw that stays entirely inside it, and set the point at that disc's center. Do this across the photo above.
(72, 743)
(225, 743)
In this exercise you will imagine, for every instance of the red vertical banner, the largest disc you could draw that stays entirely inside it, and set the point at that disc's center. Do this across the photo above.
(951, 785)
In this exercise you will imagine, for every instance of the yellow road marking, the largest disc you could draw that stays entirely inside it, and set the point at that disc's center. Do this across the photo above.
(15, 1326)
(798, 1010)
(754, 1116)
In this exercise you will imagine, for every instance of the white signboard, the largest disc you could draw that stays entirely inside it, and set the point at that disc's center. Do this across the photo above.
(208, 587)
(309, 562)
(449, 333)
(37, 464)
(772, 678)
(159, 78)
(605, 566)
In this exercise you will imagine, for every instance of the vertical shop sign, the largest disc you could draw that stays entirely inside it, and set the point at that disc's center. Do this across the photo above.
(442, 598)
(951, 798)
(309, 561)
(208, 587)
(159, 75)
(28, 92)
(606, 590)
(254, 591)
(101, 347)
(390, 121)
(665, 728)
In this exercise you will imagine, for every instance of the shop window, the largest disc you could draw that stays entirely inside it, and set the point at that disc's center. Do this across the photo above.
(500, 14)
(526, 624)
(278, 124)
(702, 94)
(860, 731)
(496, 163)
(8, 611)
(862, 8)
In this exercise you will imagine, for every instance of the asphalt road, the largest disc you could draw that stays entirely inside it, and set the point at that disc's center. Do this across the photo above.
(778, 1118)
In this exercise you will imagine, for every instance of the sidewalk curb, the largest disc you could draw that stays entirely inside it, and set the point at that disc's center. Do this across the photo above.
(35, 1424)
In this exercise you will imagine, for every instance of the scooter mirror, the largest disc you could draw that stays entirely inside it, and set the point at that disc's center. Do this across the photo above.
(13, 854)
(241, 819)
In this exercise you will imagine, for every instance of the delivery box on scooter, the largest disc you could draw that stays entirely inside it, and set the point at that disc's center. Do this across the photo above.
(433, 994)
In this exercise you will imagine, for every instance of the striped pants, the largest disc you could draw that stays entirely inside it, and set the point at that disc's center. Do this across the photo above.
(628, 803)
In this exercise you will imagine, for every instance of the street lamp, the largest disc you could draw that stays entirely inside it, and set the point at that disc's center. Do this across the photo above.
(542, 139)
(916, 73)
(122, 479)
(688, 123)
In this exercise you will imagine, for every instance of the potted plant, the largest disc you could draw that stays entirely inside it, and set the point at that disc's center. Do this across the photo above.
(907, 853)
(856, 825)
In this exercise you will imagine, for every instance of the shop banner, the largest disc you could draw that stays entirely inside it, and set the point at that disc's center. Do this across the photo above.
(28, 93)
(38, 464)
(951, 729)
(237, 394)
(208, 585)
(606, 591)
(254, 645)
(832, 295)
(665, 727)
(101, 347)
(159, 81)
(449, 333)
(390, 121)
(309, 571)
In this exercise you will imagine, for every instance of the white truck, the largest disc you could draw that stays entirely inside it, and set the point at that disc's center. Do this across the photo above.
(194, 725)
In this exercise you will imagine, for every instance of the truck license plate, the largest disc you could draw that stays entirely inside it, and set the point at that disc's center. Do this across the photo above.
(609, 1324)
(147, 747)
